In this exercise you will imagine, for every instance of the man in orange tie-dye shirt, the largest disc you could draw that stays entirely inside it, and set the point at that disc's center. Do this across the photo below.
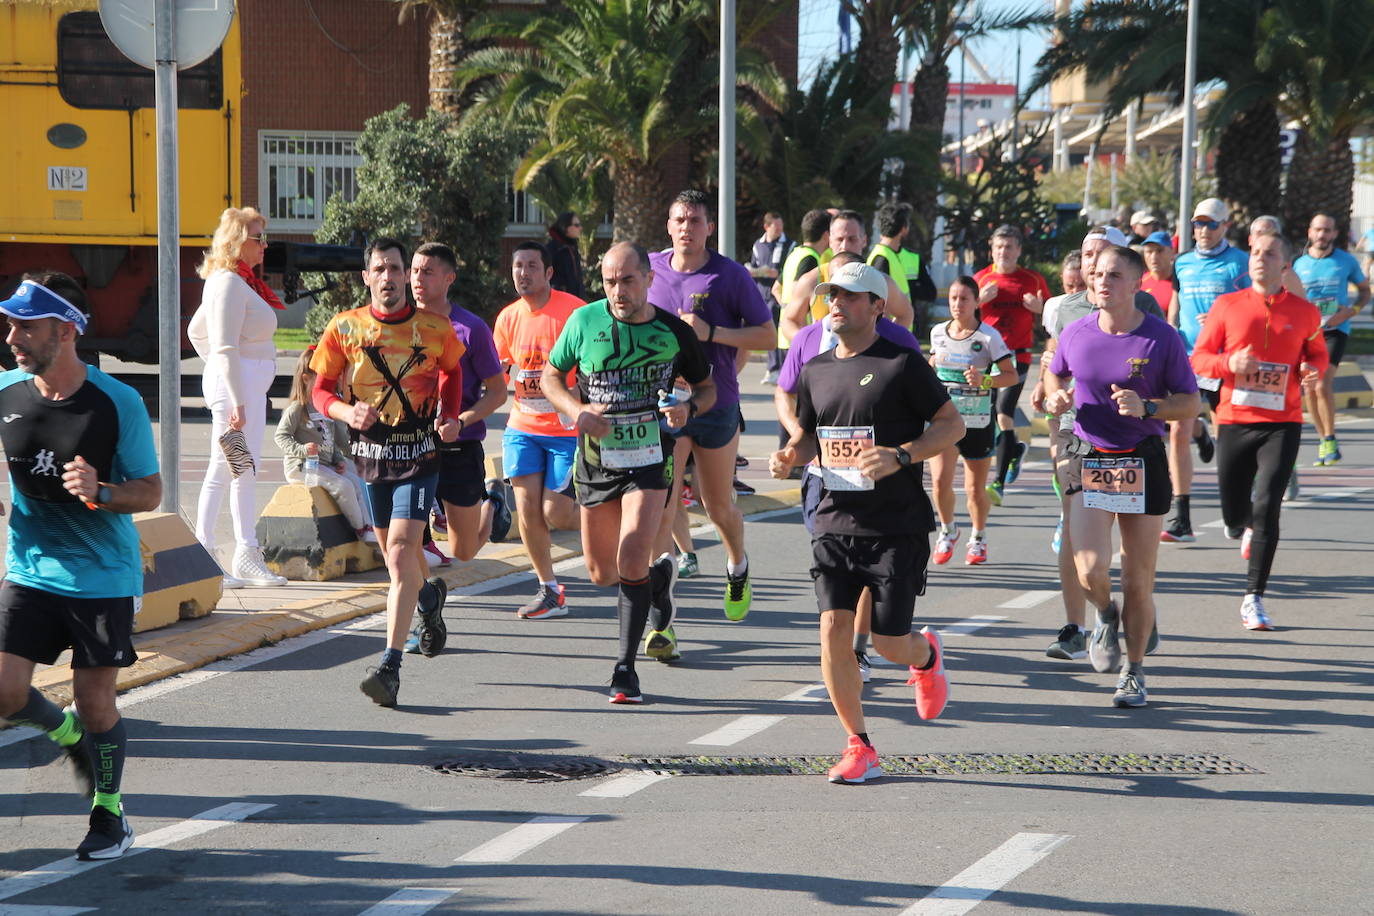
(404, 388)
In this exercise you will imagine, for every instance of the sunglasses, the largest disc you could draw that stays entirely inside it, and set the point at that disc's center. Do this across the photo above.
(1205, 224)
(260, 239)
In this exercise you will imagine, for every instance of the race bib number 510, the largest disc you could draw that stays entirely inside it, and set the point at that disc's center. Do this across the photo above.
(633, 441)
(840, 447)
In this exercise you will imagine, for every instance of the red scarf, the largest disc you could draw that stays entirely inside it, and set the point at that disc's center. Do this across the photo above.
(259, 287)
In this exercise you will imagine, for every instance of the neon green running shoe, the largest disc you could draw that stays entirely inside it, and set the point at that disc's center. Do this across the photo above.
(661, 645)
(739, 594)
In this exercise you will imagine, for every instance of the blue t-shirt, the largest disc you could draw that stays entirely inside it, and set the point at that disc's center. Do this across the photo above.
(56, 543)
(1327, 281)
(479, 361)
(1199, 280)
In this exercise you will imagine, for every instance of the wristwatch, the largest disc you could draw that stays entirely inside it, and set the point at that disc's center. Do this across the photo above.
(103, 496)
(903, 457)
(1150, 409)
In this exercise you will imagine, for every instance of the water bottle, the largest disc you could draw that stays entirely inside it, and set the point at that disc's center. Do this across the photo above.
(312, 465)
(665, 399)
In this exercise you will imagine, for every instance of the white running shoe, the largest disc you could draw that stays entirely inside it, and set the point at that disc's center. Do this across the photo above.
(251, 569)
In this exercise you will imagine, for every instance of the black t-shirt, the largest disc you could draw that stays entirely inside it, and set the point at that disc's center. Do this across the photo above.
(895, 391)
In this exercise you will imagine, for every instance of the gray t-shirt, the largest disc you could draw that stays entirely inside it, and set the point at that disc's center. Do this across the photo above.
(1075, 307)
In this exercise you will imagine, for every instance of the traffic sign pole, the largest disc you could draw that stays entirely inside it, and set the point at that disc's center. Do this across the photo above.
(168, 254)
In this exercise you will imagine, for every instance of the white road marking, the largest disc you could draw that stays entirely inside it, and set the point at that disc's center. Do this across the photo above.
(411, 901)
(204, 822)
(1029, 599)
(985, 877)
(737, 731)
(816, 693)
(1217, 523)
(624, 786)
(522, 839)
(974, 624)
(20, 909)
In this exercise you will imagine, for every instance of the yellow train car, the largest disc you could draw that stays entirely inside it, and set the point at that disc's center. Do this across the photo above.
(78, 170)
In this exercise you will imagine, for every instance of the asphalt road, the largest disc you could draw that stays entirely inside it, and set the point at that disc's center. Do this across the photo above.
(310, 798)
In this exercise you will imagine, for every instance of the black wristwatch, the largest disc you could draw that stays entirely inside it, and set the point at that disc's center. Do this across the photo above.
(1151, 408)
(691, 408)
(103, 495)
(903, 457)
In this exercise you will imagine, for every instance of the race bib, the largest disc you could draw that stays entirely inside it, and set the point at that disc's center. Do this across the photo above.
(633, 441)
(1114, 484)
(1208, 384)
(529, 395)
(1265, 388)
(973, 404)
(839, 455)
(950, 366)
(1327, 307)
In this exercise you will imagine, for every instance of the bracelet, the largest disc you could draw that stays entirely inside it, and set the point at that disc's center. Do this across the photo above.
(711, 334)
(462, 425)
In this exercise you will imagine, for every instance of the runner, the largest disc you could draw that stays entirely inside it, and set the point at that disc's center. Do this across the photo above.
(717, 299)
(809, 343)
(1010, 298)
(1211, 269)
(1264, 343)
(963, 350)
(462, 464)
(626, 353)
(1130, 373)
(1327, 273)
(863, 406)
(405, 384)
(1158, 252)
(81, 460)
(538, 447)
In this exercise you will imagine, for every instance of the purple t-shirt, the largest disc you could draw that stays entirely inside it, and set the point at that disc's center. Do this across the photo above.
(806, 346)
(724, 294)
(478, 362)
(1151, 360)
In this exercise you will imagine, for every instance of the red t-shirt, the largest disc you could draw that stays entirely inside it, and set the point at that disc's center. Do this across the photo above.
(1162, 290)
(1008, 313)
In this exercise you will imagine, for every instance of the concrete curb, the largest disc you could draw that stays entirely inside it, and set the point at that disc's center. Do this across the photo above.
(162, 654)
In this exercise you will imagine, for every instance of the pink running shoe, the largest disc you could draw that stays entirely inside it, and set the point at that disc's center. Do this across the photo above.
(858, 764)
(932, 684)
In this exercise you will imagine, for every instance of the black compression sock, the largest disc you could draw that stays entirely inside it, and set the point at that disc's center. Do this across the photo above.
(863, 736)
(111, 747)
(633, 610)
(1182, 508)
(40, 713)
(658, 581)
(1006, 451)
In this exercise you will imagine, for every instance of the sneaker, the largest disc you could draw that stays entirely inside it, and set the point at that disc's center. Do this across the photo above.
(547, 602)
(977, 552)
(932, 684)
(995, 493)
(1245, 543)
(859, 763)
(233, 582)
(689, 496)
(661, 645)
(81, 758)
(434, 556)
(1104, 649)
(865, 666)
(944, 546)
(687, 565)
(1014, 465)
(367, 535)
(1206, 445)
(382, 684)
(1058, 540)
(625, 686)
(742, 488)
(439, 522)
(1323, 454)
(769, 378)
(1071, 643)
(500, 519)
(1333, 454)
(412, 646)
(432, 631)
(1252, 614)
(109, 835)
(250, 568)
(1130, 690)
(1234, 534)
(739, 594)
(1294, 490)
(1177, 530)
(1152, 643)
(741, 461)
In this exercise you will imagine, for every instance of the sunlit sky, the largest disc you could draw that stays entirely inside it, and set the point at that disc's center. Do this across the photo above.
(818, 33)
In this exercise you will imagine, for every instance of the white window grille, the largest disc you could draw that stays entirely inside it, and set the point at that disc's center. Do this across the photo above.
(298, 171)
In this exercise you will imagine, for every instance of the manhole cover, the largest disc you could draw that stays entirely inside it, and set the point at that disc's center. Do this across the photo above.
(526, 767)
(954, 764)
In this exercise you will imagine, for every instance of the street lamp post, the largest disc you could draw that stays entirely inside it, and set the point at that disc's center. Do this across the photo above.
(1185, 159)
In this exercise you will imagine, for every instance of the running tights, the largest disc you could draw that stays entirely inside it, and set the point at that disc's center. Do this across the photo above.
(1254, 461)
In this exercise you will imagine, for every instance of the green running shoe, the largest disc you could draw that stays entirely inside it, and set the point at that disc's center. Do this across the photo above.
(739, 594)
(661, 645)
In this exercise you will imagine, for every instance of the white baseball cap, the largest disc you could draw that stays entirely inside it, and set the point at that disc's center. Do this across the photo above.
(1212, 208)
(856, 278)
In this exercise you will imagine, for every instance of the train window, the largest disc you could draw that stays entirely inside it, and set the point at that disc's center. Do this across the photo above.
(93, 73)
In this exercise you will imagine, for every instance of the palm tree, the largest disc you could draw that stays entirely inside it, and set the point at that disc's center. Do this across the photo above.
(448, 44)
(614, 84)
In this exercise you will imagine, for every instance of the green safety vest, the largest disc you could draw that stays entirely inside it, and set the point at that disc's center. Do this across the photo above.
(789, 276)
(912, 262)
(896, 268)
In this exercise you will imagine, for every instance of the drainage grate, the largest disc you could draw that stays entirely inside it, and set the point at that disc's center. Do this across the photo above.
(557, 768)
(955, 764)
(527, 767)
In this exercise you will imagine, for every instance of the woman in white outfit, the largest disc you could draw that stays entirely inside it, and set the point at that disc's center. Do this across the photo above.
(232, 331)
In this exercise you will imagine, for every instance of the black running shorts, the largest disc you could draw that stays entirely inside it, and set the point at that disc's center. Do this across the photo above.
(40, 626)
(893, 567)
